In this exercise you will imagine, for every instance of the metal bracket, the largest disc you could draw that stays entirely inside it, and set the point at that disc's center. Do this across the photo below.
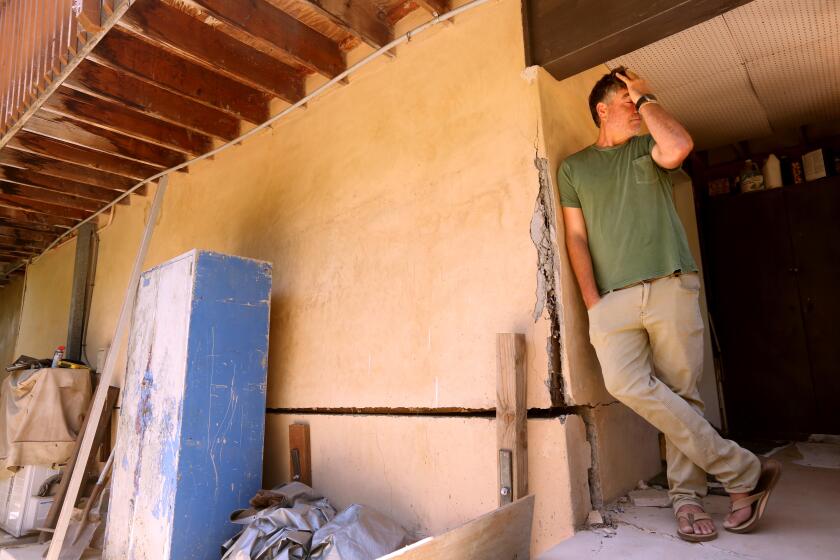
(296, 464)
(505, 477)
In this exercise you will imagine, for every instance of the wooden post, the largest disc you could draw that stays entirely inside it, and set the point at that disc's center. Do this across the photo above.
(511, 417)
(299, 447)
(97, 408)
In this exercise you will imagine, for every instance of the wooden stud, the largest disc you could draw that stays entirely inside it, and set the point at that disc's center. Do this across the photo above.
(299, 440)
(107, 83)
(87, 445)
(130, 54)
(511, 408)
(272, 31)
(173, 29)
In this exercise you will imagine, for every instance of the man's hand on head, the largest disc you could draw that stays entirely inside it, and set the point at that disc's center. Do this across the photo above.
(636, 85)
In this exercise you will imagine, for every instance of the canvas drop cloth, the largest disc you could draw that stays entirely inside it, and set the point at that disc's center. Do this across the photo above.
(41, 411)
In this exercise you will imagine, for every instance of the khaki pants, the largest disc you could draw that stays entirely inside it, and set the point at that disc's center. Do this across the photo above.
(649, 340)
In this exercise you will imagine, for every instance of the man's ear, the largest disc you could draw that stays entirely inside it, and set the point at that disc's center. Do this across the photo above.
(601, 109)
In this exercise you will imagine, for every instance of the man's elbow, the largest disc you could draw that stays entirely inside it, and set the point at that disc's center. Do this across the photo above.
(677, 153)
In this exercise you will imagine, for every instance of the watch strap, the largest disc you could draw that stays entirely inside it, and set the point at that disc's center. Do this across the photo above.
(646, 98)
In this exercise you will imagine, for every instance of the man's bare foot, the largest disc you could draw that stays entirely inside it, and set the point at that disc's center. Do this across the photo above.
(735, 518)
(701, 526)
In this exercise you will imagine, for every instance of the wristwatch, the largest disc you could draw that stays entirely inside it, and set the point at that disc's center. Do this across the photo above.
(646, 98)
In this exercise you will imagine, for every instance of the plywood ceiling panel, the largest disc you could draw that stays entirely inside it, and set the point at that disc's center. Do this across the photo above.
(767, 27)
(767, 65)
(700, 106)
(800, 86)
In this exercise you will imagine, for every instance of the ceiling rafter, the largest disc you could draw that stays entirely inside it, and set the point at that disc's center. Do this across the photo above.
(50, 197)
(178, 31)
(63, 170)
(35, 179)
(361, 19)
(131, 54)
(130, 122)
(272, 31)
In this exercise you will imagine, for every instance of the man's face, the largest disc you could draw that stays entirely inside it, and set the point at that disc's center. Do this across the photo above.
(619, 114)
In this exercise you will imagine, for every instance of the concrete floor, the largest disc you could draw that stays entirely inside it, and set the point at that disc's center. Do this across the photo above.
(802, 520)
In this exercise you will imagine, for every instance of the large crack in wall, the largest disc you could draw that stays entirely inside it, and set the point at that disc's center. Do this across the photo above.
(546, 294)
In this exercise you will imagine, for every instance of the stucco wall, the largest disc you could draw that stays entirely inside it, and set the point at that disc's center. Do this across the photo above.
(46, 305)
(10, 301)
(397, 213)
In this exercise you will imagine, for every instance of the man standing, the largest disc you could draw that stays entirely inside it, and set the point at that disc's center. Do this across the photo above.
(640, 286)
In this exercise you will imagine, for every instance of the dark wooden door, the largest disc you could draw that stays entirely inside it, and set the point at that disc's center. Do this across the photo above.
(814, 215)
(755, 307)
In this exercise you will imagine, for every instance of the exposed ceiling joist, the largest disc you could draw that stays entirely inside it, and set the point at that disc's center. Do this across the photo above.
(184, 35)
(77, 132)
(107, 83)
(35, 194)
(35, 179)
(130, 54)
(118, 118)
(29, 205)
(63, 170)
(361, 19)
(272, 31)
(63, 151)
(34, 220)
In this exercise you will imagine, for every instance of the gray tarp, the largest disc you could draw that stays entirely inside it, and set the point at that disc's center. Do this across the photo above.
(302, 525)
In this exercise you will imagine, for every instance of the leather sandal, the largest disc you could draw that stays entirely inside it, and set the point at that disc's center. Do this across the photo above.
(771, 470)
(693, 517)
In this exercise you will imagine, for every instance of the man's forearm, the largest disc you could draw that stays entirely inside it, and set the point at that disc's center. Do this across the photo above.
(673, 139)
(581, 259)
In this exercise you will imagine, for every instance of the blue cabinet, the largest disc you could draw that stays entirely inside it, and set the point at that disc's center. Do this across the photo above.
(192, 420)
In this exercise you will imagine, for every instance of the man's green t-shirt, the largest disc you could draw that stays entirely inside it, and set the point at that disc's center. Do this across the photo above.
(626, 198)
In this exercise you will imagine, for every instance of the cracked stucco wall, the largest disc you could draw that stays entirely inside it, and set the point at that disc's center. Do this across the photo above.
(624, 448)
(397, 211)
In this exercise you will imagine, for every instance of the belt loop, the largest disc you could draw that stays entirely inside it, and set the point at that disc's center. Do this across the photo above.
(645, 293)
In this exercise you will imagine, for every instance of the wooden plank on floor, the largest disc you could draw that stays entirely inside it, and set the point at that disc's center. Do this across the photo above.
(511, 409)
(503, 534)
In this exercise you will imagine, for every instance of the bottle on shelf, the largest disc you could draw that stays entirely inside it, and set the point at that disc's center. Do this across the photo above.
(772, 172)
(751, 177)
(58, 356)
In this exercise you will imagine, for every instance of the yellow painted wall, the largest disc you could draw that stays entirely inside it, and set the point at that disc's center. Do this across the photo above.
(396, 211)
(46, 306)
(10, 301)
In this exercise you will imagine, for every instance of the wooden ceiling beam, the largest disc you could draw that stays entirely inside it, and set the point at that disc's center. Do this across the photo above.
(68, 129)
(107, 83)
(34, 179)
(50, 197)
(118, 118)
(25, 237)
(34, 220)
(53, 210)
(272, 31)
(130, 54)
(12, 249)
(178, 31)
(52, 231)
(23, 160)
(360, 19)
(59, 150)
(434, 7)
